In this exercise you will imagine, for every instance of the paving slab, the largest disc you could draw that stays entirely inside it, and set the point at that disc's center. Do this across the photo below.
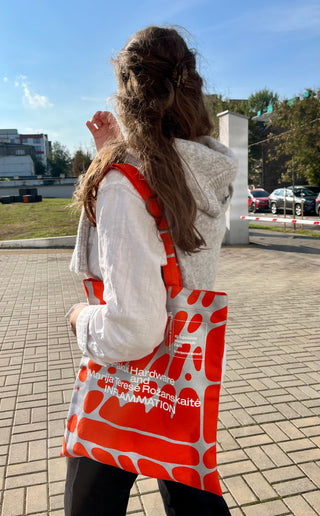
(269, 426)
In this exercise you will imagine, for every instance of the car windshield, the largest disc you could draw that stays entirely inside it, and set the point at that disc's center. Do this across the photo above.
(259, 193)
(305, 192)
(314, 189)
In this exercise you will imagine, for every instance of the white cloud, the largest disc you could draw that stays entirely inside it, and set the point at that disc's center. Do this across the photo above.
(34, 100)
(5, 79)
(53, 135)
(20, 80)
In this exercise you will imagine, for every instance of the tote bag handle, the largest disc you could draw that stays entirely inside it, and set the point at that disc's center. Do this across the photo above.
(171, 271)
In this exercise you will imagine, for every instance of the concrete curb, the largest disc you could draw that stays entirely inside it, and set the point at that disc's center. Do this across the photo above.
(67, 242)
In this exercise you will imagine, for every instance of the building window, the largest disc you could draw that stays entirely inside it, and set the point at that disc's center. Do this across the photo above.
(36, 140)
(20, 152)
(38, 148)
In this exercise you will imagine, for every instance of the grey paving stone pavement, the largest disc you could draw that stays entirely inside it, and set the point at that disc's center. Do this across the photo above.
(268, 438)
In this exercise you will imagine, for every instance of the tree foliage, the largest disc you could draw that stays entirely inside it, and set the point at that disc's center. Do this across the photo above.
(260, 100)
(217, 104)
(81, 162)
(299, 141)
(59, 160)
(39, 167)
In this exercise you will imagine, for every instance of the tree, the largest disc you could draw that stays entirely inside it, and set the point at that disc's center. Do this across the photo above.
(256, 131)
(260, 100)
(59, 160)
(299, 141)
(40, 168)
(216, 104)
(81, 162)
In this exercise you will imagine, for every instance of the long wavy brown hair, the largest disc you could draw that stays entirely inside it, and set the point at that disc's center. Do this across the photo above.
(159, 98)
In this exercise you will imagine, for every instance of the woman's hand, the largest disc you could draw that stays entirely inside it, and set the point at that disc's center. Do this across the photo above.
(74, 316)
(104, 127)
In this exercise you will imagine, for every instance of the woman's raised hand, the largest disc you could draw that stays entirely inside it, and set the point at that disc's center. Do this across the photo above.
(104, 127)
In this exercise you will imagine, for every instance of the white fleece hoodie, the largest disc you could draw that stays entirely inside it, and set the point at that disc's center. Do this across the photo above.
(125, 251)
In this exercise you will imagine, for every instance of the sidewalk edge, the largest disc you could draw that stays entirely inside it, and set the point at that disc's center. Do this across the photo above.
(67, 242)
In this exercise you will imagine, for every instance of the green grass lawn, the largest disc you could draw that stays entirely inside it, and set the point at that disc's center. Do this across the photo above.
(306, 232)
(49, 218)
(54, 217)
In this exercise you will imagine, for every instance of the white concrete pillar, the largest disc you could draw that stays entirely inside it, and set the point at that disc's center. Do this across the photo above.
(233, 132)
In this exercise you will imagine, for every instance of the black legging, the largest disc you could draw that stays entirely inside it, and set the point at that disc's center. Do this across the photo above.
(95, 489)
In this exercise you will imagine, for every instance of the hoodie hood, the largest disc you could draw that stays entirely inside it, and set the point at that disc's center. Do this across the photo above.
(210, 168)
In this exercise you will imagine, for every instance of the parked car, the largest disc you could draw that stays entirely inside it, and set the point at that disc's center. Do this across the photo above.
(258, 199)
(315, 189)
(301, 198)
(318, 205)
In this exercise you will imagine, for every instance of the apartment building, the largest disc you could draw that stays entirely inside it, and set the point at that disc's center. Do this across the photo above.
(41, 144)
(17, 152)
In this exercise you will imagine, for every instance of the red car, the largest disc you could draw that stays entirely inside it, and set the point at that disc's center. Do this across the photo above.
(258, 199)
(318, 205)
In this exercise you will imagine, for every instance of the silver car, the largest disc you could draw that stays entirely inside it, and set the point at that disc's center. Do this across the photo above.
(298, 200)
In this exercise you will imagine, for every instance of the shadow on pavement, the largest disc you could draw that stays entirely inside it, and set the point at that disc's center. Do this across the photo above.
(285, 242)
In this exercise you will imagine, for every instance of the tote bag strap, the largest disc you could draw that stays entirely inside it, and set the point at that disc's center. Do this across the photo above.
(171, 271)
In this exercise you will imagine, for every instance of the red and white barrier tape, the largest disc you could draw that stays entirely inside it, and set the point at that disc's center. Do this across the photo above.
(282, 219)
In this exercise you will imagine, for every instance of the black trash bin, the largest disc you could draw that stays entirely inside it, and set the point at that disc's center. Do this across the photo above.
(17, 198)
(7, 199)
(31, 193)
(28, 191)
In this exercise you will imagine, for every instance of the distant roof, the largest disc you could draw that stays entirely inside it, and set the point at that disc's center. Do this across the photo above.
(265, 117)
(9, 131)
(36, 135)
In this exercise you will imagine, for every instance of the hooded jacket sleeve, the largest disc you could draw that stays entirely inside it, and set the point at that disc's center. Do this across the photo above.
(133, 320)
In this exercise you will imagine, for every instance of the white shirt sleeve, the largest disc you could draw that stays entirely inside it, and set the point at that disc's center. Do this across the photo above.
(133, 320)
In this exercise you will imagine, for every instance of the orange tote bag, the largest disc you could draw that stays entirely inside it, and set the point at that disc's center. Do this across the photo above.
(156, 416)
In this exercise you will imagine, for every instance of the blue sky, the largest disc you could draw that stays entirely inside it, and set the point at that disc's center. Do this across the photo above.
(55, 69)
